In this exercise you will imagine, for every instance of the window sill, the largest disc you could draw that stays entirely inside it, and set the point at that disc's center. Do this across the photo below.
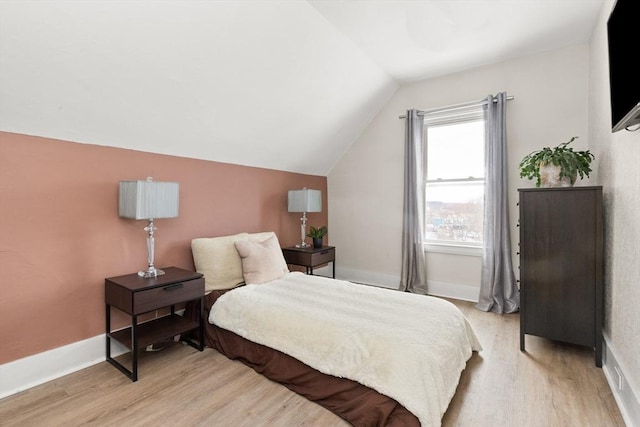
(453, 249)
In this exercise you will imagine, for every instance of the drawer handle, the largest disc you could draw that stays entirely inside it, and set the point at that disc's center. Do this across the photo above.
(173, 287)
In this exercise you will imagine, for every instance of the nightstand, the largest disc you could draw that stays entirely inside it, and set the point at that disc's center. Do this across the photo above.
(136, 295)
(311, 257)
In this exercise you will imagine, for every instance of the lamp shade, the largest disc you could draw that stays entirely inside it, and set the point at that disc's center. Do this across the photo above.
(148, 199)
(305, 200)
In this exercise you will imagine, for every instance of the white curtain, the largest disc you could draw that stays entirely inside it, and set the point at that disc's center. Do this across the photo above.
(498, 290)
(413, 274)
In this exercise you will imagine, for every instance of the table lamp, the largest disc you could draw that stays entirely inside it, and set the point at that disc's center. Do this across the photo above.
(304, 201)
(148, 200)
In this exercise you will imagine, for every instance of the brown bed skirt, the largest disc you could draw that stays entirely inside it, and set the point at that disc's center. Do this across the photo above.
(352, 401)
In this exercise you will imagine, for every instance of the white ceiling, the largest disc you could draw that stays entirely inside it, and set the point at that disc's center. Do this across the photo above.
(285, 85)
(413, 40)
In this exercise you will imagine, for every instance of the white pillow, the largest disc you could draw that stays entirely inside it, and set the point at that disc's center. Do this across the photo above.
(261, 261)
(217, 259)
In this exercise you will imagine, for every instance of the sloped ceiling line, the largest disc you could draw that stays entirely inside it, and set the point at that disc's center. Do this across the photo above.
(285, 85)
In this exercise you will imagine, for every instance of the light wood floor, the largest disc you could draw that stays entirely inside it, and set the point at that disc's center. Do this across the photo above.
(550, 385)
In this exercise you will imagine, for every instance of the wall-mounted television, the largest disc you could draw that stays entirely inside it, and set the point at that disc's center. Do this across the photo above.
(624, 77)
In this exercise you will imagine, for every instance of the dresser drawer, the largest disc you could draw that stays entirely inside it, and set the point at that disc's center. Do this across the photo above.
(152, 299)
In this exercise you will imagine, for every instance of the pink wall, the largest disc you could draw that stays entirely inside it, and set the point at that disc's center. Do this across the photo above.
(60, 234)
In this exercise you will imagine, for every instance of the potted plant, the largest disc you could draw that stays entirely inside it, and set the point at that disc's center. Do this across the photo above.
(556, 167)
(317, 234)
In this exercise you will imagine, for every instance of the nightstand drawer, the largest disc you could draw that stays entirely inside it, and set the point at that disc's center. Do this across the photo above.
(170, 294)
(309, 258)
(324, 257)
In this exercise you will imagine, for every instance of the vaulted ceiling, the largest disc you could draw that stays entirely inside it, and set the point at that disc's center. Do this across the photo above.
(285, 85)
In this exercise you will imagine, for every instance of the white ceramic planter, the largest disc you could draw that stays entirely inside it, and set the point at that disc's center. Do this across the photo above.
(550, 177)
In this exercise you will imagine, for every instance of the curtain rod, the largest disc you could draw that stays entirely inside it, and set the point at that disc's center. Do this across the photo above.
(455, 106)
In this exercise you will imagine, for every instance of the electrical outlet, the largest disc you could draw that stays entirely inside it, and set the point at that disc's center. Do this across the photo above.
(618, 377)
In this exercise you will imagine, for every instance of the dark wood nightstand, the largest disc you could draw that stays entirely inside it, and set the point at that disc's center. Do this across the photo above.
(136, 295)
(311, 257)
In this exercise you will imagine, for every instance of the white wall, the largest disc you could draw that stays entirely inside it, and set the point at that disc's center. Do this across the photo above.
(365, 186)
(617, 171)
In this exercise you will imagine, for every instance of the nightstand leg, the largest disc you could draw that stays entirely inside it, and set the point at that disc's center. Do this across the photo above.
(108, 327)
(201, 324)
(134, 348)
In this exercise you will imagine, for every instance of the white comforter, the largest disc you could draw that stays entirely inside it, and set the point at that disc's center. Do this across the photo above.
(409, 347)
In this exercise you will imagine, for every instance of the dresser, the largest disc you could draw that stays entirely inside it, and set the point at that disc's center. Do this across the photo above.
(561, 265)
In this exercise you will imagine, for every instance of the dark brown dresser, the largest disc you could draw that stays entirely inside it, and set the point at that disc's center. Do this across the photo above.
(561, 265)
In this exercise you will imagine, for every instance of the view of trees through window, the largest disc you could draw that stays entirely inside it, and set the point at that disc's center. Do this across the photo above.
(454, 182)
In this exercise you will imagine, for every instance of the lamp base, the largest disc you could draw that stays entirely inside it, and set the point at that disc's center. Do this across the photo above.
(151, 272)
(303, 245)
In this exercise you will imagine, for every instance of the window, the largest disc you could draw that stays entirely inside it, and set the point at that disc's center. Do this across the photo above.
(454, 180)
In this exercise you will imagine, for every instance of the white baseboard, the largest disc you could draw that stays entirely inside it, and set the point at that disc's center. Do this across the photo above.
(40, 368)
(624, 391)
(392, 281)
(453, 290)
(367, 277)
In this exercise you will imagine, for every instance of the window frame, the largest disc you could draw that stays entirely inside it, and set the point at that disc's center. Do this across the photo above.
(451, 117)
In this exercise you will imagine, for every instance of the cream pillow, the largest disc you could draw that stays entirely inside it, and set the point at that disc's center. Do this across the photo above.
(261, 261)
(217, 259)
(261, 237)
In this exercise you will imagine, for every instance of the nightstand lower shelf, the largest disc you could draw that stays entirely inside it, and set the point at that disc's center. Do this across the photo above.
(155, 330)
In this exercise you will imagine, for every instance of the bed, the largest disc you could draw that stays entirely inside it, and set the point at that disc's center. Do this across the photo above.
(375, 357)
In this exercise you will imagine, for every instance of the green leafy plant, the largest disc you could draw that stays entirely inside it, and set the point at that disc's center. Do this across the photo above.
(572, 163)
(317, 233)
